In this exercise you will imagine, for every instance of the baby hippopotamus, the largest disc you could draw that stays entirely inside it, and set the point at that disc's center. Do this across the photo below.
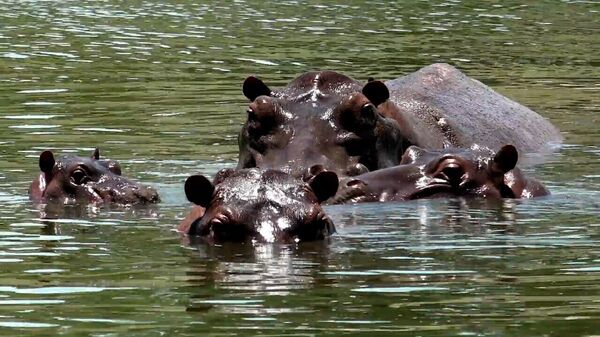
(72, 179)
(473, 172)
(262, 205)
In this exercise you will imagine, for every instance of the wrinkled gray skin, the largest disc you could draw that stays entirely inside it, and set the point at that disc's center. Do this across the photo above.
(77, 180)
(439, 106)
(477, 172)
(320, 118)
(259, 205)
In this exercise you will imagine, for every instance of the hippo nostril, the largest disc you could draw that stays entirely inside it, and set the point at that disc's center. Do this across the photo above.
(453, 173)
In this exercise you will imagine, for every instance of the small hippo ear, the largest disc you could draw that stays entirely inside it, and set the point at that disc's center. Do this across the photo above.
(253, 87)
(376, 92)
(47, 161)
(411, 155)
(506, 159)
(356, 169)
(324, 185)
(96, 154)
(199, 190)
(114, 167)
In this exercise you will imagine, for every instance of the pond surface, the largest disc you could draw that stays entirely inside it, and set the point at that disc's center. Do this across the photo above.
(157, 85)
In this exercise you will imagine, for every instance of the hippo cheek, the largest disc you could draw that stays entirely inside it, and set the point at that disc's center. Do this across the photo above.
(489, 190)
(311, 229)
(227, 232)
(434, 190)
(316, 230)
(93, 195)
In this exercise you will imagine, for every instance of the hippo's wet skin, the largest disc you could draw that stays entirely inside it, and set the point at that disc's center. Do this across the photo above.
(439, 106)
(259, 205)
(320, 118)
(475, 172)
(72, 180)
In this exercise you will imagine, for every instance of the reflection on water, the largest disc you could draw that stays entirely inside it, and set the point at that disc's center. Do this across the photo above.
(157, 86)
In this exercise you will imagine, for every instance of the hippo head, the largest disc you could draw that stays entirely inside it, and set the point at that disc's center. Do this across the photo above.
(72, 179)
(474, 172)
(320, 118)
(261, 205)
(477, 171)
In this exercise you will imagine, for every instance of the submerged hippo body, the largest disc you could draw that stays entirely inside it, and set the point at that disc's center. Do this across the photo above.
(321, 118)
(259, 205)
(74, 180)
(439, 106)
(475, 172)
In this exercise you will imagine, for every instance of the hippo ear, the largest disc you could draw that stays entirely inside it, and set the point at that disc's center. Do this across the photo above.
(376, 92)
(112, 166)
(96, 154)
(324, 185)
(199, 190)
(253, 87)
(506, 159)
(411, 155)
(47, 162)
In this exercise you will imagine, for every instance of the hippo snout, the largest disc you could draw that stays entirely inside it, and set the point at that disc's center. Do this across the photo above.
(128, 194)
(147, 194)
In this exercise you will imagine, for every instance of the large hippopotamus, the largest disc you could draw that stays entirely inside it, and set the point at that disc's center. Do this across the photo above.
(72, 179)
(330, 119)
(261, 205)
(439, 106)
(474, 172)
(321, 118)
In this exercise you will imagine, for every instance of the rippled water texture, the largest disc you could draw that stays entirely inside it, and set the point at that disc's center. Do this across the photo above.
(158, 87)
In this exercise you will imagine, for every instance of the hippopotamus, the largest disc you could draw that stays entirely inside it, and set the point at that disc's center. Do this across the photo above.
(349, 127)
(260, 205)
(320, 118)
(473, 172)
(438, 106)
(72, 179)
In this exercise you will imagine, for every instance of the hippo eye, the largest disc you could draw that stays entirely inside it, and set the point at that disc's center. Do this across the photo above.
(79, 177)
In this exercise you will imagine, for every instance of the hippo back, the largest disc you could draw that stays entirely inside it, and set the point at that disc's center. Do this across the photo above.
(447, 108)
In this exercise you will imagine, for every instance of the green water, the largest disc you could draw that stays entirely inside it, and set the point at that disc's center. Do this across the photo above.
(158, 87)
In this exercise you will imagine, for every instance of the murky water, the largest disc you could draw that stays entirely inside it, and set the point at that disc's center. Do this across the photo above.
(158, 87)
